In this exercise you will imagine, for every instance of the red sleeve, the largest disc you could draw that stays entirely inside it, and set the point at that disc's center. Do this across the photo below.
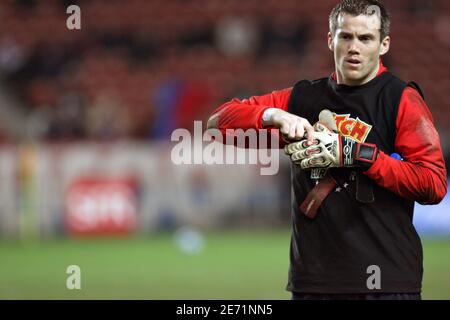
(422, 175)
(247, 114)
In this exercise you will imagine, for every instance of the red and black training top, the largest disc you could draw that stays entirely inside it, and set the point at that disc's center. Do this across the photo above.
(332, 253)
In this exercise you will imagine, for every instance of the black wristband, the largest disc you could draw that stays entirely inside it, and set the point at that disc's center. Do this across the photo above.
(366, 154)
(355, 154)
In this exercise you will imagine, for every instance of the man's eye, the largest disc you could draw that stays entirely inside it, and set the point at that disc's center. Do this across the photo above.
(346, 37)
(364, 39)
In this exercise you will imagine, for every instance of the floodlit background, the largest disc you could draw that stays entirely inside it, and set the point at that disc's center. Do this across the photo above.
(86, 118)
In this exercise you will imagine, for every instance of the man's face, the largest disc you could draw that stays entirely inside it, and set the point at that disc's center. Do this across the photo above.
(357, 48)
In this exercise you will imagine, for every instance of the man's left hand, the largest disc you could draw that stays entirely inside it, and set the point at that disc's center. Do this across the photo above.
(331, 150)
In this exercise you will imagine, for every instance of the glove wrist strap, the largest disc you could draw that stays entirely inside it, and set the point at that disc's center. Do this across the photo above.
(348, 152)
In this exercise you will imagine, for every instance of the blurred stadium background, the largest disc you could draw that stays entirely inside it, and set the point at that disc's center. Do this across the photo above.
(85, 125)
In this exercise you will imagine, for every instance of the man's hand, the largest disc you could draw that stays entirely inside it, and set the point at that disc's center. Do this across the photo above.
(292, 127)
(326, 151)
(330, 149)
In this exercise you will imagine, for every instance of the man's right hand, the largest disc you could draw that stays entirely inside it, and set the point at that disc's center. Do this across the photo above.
(292, 127)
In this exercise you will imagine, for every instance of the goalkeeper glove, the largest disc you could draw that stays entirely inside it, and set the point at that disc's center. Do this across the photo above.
(331, 150)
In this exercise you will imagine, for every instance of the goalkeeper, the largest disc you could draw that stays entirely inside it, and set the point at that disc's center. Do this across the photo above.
(363, 148)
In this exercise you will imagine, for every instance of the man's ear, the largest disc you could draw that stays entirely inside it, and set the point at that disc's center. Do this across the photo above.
(330, 41)
(385, 44)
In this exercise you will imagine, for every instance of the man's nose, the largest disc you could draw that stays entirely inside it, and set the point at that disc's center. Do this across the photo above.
(353, 48)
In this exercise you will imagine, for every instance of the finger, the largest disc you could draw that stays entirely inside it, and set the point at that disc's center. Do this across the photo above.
(306, 153)
(319, 127)
(306, 164)
(284, 129)
(292, 128)
(299, 131)
(297, 156)
(293, 147)
(309, 132)
(314, 162)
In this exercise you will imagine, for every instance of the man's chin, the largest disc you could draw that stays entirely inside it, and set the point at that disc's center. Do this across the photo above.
(354, 77)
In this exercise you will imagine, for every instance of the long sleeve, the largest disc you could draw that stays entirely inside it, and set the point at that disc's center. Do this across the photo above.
(422, 175)
(247, 114)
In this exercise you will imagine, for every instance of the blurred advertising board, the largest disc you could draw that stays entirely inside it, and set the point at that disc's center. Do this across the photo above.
(98, 205)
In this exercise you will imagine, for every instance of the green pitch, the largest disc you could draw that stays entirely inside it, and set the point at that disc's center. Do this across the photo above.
(233, 265)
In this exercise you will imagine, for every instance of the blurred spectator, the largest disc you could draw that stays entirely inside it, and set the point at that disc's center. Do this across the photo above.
(106, 119)
(68, 119)
(442, 29)
(11, 56)
(47, 60)
(37, 123)
(236, 36)
(165, 97)
(178, 104)
(193, 105)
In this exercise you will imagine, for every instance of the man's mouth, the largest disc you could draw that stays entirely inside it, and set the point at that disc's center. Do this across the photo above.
(353, 62)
